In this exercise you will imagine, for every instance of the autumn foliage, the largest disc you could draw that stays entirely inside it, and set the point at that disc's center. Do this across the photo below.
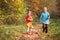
(14, 11)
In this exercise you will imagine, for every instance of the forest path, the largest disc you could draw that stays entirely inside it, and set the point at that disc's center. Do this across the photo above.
(36, 34)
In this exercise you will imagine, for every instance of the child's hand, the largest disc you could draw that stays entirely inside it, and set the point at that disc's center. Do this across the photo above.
(30, 19)
(46, 18)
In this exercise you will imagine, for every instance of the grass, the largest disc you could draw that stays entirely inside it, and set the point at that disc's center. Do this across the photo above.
(11, 32)
(54, 30)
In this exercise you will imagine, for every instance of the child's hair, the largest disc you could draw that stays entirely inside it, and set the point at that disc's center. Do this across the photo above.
(28, 11)
(45, 7)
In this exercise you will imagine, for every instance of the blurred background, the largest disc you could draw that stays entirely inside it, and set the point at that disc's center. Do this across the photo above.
(13, 12)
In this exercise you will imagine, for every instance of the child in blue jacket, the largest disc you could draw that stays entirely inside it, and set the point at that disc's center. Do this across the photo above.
(44, 18)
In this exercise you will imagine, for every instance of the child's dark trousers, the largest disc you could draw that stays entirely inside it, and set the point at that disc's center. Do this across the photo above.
(45, 28)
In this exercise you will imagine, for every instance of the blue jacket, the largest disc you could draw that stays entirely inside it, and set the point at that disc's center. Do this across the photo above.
(44, 18)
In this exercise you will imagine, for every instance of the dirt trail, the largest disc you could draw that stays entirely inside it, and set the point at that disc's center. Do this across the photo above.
(36, 35)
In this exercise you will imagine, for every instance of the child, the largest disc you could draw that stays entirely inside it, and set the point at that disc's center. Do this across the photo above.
(29, 21)
(45, 19)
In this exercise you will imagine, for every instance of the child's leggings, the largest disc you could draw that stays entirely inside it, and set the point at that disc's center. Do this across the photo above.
(45, 28)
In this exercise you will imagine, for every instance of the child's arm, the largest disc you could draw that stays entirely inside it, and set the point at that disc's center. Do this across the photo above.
(30, 18)
(40, 17)
(48, 16)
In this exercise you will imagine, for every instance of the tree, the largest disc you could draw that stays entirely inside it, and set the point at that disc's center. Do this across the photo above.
(12, 10)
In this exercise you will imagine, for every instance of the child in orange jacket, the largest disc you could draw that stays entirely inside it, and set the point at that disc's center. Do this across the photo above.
(29, 20)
